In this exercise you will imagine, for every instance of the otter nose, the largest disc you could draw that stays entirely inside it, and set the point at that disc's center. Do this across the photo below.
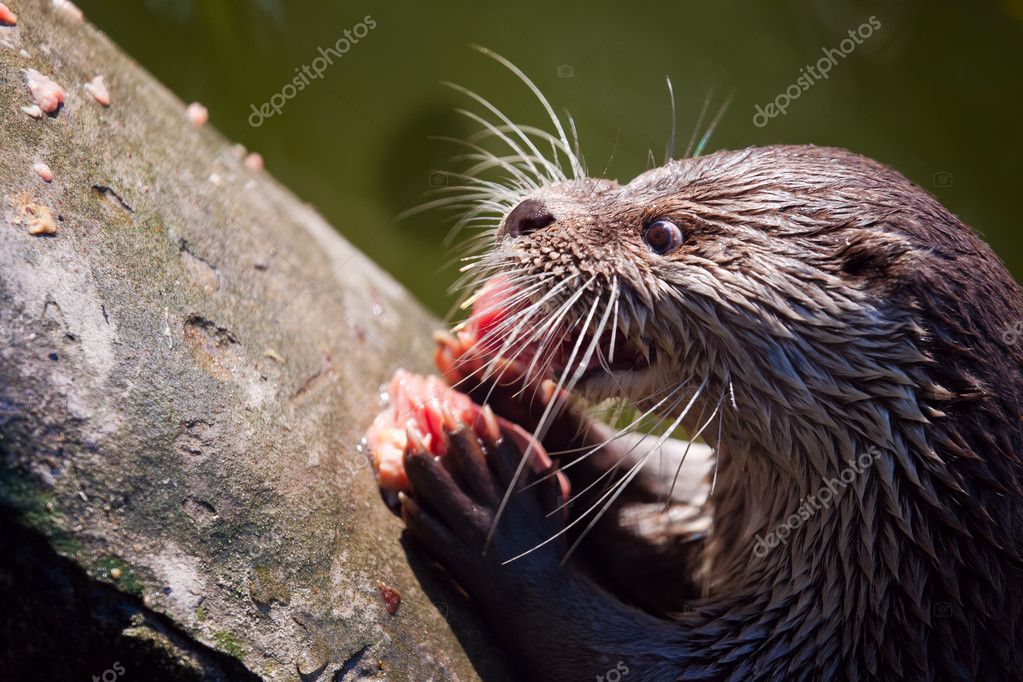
(529, 216)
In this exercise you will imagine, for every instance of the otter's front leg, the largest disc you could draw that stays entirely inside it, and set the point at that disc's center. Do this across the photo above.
(557, 623)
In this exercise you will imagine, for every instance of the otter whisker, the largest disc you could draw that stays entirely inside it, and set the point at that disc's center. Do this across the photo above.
(608, 473)
(537, 434)
(669, 153)
(556, 144)
(575, 143)
(583, 364)
(614, 148)
(660, 461)
(717, 452)
(575, 351)
(618, 435)
(561, 532)
(526, 158)
(555, 319)
(499, 195)
(577, 170)
(699, 123)
(548, 361)
(447, 202)
(689, 445)
(713, 126)
(614, 329)
(472, 282)
(522, 318)
(555, 171)
(482, 154)
(514, 337)
(631, 427)
(617, 489)
(482, 164)
(622, 484)
(621, 403)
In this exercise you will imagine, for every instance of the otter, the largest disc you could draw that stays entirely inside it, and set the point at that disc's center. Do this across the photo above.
(838, 340)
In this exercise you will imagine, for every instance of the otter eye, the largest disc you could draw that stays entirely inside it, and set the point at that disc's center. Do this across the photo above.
(662, 236)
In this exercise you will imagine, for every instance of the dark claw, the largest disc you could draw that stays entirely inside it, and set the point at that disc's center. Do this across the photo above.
(470, 462)
(434, 487)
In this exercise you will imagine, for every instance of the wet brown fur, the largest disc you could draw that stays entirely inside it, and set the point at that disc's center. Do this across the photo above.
(832, 308)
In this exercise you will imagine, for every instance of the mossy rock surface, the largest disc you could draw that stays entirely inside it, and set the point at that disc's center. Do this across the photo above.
(186, 368)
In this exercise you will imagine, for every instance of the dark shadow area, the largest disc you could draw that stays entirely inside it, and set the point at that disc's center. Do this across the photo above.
(56, 622)
(456, 608)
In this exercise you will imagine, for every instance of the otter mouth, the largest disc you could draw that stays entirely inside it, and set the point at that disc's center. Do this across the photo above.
(628, 357)
(503, 323)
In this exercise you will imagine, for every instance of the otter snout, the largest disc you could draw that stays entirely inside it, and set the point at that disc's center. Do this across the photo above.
(529, 216)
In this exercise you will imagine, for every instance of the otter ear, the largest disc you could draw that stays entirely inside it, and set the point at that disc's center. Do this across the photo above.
(870, 253)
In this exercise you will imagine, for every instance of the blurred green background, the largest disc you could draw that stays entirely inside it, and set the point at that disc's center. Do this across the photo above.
(936, 92)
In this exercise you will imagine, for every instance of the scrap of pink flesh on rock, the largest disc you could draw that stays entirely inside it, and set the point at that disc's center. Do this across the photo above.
(43, 171)
(197, 114)
(7, 17)
(45, 91)
(421, 404)
(98, 89)
(68, 10)
(254, 161)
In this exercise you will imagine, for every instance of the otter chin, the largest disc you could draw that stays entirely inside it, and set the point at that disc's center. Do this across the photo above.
(832, 338)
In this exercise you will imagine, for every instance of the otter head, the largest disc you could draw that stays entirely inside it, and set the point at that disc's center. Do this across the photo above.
(764, 276)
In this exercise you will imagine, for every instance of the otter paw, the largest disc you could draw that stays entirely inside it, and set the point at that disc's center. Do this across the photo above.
(454, 500)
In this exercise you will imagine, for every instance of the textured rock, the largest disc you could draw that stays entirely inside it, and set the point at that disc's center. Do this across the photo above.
(186, 365)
